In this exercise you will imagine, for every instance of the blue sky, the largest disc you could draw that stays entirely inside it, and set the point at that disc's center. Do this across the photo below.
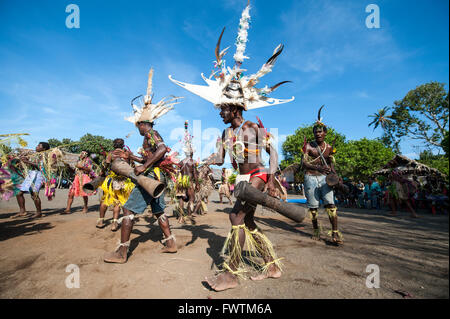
(57, 82)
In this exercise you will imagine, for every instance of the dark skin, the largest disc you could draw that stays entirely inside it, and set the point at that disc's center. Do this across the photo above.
(118, 152)
(317, 168)
(147, 161)
(240, 213)
(205, 173)
(86, 170)
(224, 182)
(20, 198)
(188, 168)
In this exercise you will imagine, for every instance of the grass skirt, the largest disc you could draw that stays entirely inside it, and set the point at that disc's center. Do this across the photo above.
(251, 260)
(116, 189)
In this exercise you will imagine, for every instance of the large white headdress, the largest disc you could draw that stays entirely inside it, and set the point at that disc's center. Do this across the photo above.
(148, 112)
(230, 85)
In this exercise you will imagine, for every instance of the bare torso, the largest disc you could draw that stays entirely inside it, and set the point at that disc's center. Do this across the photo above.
(313, 159)
(246, 145)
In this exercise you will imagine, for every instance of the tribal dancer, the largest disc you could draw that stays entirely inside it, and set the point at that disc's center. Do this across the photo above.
(187, 179)
(206, 181)
(154, 166)
(318, 162)
(224, 189)
(84, 173)
(33, 181)
(233, 93)
(11, 177)
(11, 172)
(116, 188)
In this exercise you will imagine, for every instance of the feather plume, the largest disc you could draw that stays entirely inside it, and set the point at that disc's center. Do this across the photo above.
(319, 119)
(150, 84)
(241, 40)
(273, 88)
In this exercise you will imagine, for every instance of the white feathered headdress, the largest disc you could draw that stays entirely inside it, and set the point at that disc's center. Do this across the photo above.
(230, 85)
(148, 112)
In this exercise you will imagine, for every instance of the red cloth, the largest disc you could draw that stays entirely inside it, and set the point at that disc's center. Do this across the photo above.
(77, 188)
(258, 172)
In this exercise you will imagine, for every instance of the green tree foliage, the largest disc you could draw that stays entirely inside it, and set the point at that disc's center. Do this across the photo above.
(445, 144)
(95, 144)
(380, 118)
(421, 115)
(359, 159)
(5, 149)
(439, 162)
(232, 178)
(54, 142)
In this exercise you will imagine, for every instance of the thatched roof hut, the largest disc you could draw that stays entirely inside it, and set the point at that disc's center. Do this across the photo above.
(408, 166)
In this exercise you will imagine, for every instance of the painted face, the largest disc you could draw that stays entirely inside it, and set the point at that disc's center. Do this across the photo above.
(319, 135)
(226, 114)
(39, 148)
(83, 154)
(142, 127)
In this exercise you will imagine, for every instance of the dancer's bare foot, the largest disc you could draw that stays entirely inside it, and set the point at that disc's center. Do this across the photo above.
(119, 256)
(114, 226)
(336, 239)
(316, 235)
(66, 211)
(414, 216)
(100, 223)
(170, 247)
(272, 272)
(223, 281)
(85, 210)
(393, 214)
(20, 214)
(192, 220)
(37, 215)
(181, 220)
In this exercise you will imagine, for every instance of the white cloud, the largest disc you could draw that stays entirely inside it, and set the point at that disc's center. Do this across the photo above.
(330, 37)
(49, 110)
(362, 94)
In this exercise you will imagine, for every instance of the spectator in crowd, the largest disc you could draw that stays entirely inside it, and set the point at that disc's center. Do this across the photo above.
(371, 192)
(360, 194)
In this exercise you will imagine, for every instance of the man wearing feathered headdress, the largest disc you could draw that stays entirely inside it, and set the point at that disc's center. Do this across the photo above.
(320, 177)
(187, 178)
(154, 152)
(233, 93)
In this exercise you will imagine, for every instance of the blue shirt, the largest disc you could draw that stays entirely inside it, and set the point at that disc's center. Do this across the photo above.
(372, 188)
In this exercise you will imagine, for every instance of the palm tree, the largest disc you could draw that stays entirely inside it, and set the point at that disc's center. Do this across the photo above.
(381, 118)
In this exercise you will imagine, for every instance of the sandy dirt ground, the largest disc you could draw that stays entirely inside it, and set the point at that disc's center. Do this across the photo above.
(412, 255)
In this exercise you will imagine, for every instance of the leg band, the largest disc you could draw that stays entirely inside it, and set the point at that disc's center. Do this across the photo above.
(313, 214)
(172, 236)
(126, 244)
(331, 211)
(130, 217)
(336, 232)
(162, 218)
